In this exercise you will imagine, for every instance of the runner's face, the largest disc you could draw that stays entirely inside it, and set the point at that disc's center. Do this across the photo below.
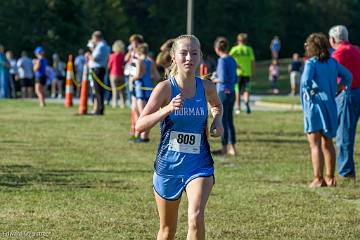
(187, 55)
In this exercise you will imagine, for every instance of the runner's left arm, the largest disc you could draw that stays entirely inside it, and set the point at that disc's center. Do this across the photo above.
(216, 109)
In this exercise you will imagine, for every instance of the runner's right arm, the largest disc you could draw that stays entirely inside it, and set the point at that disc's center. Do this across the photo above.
(158, 107)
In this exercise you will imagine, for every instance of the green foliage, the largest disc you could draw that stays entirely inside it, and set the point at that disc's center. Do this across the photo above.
(65, 25)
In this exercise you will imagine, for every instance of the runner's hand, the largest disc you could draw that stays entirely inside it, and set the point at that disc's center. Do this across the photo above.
(176, 103)
(216, 128)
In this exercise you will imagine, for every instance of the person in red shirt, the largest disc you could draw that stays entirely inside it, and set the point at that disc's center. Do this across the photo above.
(116, 73)
(348, 100)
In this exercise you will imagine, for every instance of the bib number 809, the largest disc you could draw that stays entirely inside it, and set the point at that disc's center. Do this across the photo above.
(186, 139)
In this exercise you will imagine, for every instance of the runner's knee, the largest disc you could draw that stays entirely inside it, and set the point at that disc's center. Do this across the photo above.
(167, 232)
(196, 219)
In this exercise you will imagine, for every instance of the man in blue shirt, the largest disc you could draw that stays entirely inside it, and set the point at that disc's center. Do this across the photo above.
(97, 64)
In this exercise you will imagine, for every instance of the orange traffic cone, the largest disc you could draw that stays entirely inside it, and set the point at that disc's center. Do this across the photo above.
(69, 89)
(84, 92)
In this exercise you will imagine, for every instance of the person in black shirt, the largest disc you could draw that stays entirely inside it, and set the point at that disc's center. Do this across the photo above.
(295, 68)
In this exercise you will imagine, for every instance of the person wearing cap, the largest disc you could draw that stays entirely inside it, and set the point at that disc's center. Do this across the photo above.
(348, 100)
(40, 64)
(97, 64)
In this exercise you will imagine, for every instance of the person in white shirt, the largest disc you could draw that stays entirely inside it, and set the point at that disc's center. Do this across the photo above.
(98, 64)
(25, 71)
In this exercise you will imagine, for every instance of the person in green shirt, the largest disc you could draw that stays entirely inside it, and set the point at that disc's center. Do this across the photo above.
(245, 59)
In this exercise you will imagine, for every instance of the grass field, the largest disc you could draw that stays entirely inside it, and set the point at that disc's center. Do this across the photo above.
(77, 177)
(282, 99)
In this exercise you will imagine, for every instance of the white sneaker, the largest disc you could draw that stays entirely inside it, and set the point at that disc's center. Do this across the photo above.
(237, 111)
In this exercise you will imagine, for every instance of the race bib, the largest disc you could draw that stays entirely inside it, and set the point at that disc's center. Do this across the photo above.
(185, 142)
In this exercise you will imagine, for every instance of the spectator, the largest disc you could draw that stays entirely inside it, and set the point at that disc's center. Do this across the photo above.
(25, 69)
(50, 77)
(4, 74)
(275, 47)
(318, 91)
(116, 72)
(245, 59)
(210, 63)
(130, 59)
(348, 101)
(274, 74)
(163, 59)
(98, 63)
(294, 69)
(91, 46)
(13, 74)
(40, 64)
(79, 64)
(58, 82)
(225, 81)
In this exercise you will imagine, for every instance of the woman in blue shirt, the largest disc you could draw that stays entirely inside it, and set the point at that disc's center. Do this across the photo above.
(318, 91)
(40, 64)
(225, 80)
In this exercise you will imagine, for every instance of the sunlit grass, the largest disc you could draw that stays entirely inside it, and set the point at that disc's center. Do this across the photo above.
(78, 177)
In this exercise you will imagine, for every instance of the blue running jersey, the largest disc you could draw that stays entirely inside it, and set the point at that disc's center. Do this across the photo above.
(184, 147)
(144, 82)
(146, 78)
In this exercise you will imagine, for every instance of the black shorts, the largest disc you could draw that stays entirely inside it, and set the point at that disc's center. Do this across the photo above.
(26, 82)
(41, 80)
(60, 78)
(244, 84)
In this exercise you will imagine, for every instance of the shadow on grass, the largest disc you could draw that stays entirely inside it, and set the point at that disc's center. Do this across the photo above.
(13, 141)
(18, 176)
(280, 141)
(268, 133)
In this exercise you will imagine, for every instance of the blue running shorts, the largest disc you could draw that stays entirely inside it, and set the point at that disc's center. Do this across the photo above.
(140, 93)
(171, 187)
